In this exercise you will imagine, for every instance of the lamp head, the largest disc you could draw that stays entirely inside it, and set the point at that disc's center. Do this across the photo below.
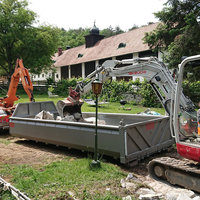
(97, 86)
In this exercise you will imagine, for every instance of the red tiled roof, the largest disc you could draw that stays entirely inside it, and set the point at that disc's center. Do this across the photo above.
(107, 47)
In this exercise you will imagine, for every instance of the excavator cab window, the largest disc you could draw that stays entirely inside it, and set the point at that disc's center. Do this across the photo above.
(188, 123)
(189, 119)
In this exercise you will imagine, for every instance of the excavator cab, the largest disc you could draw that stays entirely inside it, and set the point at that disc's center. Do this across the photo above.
(186, 131)
(188, 119)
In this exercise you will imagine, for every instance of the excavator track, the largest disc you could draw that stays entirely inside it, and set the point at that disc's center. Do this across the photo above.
(184, 173)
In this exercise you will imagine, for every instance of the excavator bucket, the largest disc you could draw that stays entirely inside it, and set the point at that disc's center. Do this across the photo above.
(71, 106)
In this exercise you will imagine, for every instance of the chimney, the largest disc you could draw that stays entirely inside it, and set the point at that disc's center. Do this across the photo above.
(60, 51)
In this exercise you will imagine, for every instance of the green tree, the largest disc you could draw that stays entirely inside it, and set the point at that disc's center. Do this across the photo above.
(110, 31)
(72, 37)
(178, 32)
(75, 37)
(18, 38)
(133, 27)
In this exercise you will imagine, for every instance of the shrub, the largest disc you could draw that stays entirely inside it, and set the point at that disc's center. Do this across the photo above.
(114, 91)
(192, 90)
(149, 98)
(62, 86)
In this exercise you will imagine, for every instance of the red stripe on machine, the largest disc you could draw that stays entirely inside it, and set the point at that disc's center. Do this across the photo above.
(150, 126)
(137, 73)
(11, 124)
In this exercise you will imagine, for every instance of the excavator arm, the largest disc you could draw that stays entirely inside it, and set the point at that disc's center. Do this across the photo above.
(154, 71)
(20, 73)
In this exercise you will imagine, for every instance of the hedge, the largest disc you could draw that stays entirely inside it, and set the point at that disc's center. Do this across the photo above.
(114, 91)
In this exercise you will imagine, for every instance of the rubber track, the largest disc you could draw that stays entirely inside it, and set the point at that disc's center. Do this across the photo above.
(186, 167)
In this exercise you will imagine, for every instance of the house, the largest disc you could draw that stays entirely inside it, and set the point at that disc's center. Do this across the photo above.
(82, 60)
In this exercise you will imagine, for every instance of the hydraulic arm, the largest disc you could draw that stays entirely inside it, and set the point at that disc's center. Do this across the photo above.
(20, 73)
(154, 71)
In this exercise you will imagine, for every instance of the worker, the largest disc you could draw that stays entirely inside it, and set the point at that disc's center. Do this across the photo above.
(198, 119)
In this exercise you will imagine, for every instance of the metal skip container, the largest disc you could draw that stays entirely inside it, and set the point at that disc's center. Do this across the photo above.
(128, 137)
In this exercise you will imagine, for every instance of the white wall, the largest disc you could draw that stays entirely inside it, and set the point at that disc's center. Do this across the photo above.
(45, 75)
(58, 74)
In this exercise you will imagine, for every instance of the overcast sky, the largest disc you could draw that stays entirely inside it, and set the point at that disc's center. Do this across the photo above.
(82, 13)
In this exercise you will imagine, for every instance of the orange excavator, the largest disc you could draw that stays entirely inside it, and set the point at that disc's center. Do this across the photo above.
(7, 103)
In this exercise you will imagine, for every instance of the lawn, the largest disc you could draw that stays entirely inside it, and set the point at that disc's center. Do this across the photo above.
(55, 180)
(71, 173)
(107, 108)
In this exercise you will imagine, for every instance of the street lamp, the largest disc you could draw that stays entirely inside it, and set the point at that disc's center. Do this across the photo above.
(96, 88)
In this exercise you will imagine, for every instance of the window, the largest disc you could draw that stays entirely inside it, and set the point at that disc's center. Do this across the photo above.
(80, 55)
(121, 45)
(57, 76)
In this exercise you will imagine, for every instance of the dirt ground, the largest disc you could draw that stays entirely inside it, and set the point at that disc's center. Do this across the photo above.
(22, 151)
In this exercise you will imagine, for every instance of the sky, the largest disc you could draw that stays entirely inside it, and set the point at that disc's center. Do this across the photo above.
(72, 14)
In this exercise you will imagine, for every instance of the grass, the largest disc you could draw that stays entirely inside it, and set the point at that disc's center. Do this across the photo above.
(5, 141)
(107, 108)
(56, 179)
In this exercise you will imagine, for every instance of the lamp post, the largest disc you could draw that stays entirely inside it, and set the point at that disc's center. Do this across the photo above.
(96, 88)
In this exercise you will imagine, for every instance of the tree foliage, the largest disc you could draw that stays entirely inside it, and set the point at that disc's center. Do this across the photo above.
(72, 37)
(18, 38)
(75, 37)
(178, 32)
(110, 31)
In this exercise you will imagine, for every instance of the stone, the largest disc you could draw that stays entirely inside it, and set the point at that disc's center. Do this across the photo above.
(174, 195)
(150, 196)
(44, 115)
(77, 116)
(130, 186)
(72, 195)
(127, 198)
(58, 118)
(144, 191)
(107, 189)
(196, 198)
(123, 183)
(183, 196)
(189, 193)
(129, 176)
(92, 120)
(69, 118)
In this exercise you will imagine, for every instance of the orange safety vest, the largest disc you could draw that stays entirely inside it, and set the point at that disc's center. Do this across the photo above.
(198, 128)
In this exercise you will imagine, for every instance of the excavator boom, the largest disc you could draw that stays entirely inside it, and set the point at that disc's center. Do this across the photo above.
(7, 103)
(20, 72)
(154, 71)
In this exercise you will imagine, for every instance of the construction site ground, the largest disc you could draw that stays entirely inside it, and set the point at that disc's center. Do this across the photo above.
(16, 151)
